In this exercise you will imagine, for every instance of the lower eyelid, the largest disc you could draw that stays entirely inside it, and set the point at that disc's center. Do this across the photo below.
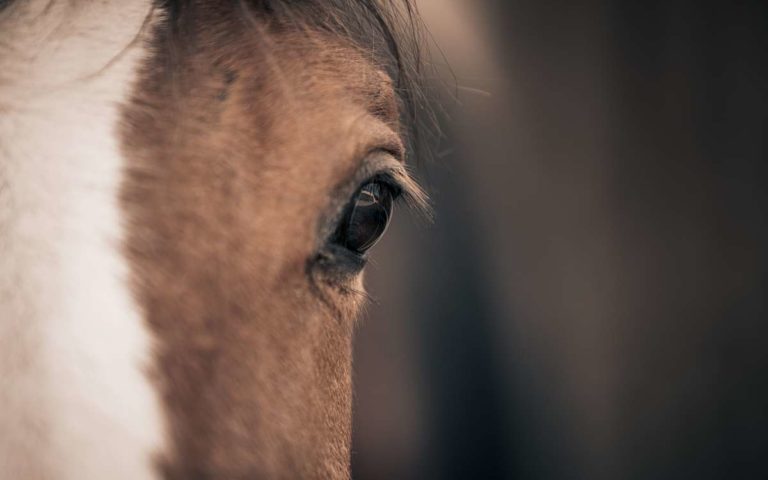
(335, 266)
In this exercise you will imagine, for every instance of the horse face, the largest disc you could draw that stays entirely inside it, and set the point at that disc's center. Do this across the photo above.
(247, 152)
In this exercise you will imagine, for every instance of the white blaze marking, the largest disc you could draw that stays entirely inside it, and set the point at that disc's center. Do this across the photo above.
(75, 402)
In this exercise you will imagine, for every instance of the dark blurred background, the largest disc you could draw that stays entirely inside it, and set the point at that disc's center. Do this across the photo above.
(591, 299)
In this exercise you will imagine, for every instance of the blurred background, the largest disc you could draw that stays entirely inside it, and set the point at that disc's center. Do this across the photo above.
(591, 301)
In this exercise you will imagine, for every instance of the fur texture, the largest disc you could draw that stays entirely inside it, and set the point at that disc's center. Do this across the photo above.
(237, 139)
(171, 305)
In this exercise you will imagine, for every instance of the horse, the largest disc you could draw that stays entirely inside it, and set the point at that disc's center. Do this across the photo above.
(189, 191)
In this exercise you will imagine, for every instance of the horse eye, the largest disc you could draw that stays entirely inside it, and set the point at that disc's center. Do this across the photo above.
(368, 218)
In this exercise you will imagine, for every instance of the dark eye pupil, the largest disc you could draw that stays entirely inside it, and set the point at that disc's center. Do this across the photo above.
(369, 217)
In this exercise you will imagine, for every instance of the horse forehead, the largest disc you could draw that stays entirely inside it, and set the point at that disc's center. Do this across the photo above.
(331, 71)
(331, 100)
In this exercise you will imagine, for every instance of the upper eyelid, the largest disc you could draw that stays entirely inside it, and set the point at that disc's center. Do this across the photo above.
(394, 148)
(411, 191)
(382, 139)
(382, 162)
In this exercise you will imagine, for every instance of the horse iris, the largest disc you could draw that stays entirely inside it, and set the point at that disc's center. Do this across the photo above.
(369, 217)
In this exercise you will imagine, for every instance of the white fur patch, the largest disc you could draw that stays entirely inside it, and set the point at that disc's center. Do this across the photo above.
(75, 402)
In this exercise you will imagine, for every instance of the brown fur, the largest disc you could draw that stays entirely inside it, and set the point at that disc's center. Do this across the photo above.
(238, 140)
